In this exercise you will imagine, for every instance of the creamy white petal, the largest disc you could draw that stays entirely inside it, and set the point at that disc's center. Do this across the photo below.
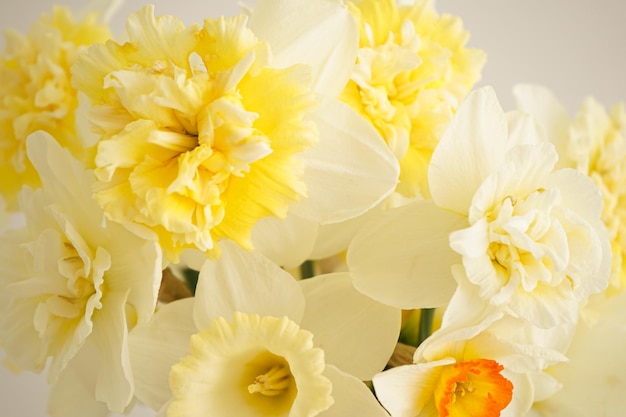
(523, 129)
(73, 393)
(349, 170)
(287, 242)
(115, 383)
(405, 391)
(127, 273)
(352, 397)
(413, 271)
(542, 104)
(473, 146)
(246, 282)
(333, 238)
(320, 33)
(157, 345)
(358, 334)
(53, 163)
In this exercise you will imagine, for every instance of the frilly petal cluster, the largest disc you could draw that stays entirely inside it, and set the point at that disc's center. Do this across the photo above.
(72, 285)
(529, 236)
(37, 94)
(412, 71)
(254, 341)
(594, 142)
(206, 130)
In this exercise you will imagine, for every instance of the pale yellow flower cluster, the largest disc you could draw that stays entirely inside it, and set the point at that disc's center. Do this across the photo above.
(37, 93)
(412, 71)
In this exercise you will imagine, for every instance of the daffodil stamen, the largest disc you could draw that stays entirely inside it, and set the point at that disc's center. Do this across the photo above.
(274, 382)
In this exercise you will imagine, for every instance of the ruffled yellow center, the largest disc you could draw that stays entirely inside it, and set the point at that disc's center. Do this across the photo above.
(253, 366)
(474, 388)
(199, 136)
(411, 73)
(37, 93)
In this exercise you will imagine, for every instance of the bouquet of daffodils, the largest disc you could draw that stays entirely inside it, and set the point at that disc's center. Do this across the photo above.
(303, 210)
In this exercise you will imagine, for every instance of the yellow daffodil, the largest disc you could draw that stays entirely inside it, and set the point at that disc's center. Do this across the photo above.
(36, 91)
(529, 237)
(411, 72)
(594, 142)
(256, 342)
(71, 287)
(206, 130)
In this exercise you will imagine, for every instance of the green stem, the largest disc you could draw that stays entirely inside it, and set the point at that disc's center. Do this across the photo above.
(426, 324)
(307, 269)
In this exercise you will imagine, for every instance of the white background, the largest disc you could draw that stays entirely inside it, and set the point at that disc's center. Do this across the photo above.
(575, 47)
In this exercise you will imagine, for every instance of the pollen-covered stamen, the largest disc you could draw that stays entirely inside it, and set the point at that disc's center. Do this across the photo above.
(272, 383)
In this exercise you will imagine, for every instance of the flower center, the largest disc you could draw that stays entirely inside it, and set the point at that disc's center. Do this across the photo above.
(472, 389)
(274, 382)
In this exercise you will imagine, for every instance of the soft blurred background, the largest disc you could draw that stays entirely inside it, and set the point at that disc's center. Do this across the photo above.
(575, 47)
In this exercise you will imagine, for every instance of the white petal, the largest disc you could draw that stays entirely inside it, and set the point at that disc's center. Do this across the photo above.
(552, 116)
(578, 193)
(73, 393)
(349, 170)
(352, 397)
(334, 238)
(474, 145)
(357, 333)
(523, 129)
(157, 345)
(115, 380)
(287, 242)
(403, 258)
(404, 391)
(64, 179)
(319, 33)
(141, 278)
(246, 282)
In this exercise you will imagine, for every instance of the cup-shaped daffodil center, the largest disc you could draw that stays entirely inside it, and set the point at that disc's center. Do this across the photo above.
(252, 366)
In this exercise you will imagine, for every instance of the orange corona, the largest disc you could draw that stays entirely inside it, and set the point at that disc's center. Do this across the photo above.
(474, 388)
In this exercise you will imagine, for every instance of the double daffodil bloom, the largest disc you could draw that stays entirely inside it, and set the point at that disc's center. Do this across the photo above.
(594, 142)
(255, 342)
(37, 94)
(72, 285)
(412, 71)
(530, 238)
(206, 130)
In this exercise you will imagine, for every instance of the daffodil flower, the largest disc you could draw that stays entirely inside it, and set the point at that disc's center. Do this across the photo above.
(255, 342)
(205, 131)
(529, 237)
(72, 285)
(412, 70)
(37, 94)
(470, 369)
(594, 142)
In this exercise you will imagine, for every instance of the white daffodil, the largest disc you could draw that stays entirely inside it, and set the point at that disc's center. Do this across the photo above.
(71, 287)
(594, 142)
(473, 369)
(529, 237)
(205, 131)
(256, 342)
